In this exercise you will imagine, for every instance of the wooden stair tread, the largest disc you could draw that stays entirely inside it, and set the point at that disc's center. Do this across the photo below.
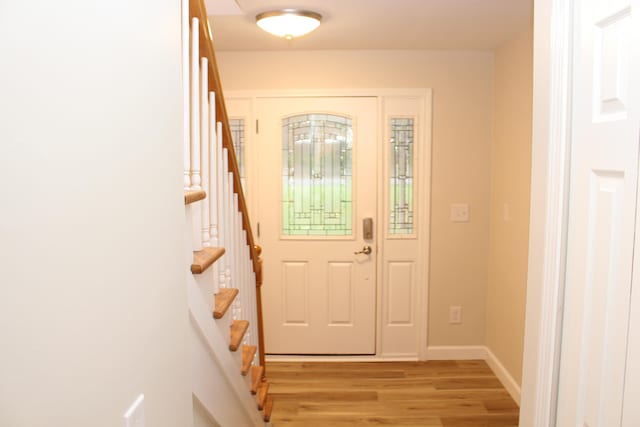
(205, 258)
(191, 196)
(238, 329)
(223, 300)
(263, 392)
(268, 407)
(248, 351)
(256, 378)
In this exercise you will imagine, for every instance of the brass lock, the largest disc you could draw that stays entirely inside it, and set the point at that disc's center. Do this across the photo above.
(365, 250)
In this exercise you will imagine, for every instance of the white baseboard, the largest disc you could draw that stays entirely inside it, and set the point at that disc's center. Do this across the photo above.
(504, 376)
(460, 352)
(478, 352)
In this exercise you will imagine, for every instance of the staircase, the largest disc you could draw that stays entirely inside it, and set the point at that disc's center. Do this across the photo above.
(224, 266)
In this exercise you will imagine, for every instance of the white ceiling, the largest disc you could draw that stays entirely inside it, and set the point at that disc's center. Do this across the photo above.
(375, 24)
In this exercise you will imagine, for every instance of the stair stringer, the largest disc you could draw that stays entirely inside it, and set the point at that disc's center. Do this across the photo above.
(216, 379)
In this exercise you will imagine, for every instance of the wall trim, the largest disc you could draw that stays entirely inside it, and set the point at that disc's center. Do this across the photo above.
(509, 383)
(459, 352)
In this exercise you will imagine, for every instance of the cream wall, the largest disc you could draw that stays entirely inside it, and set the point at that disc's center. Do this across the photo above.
(510, 185)
(93, 307)
(462, 84)
(201, 416)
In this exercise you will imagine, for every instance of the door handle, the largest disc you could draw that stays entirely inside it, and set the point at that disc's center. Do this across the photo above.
(365, 250)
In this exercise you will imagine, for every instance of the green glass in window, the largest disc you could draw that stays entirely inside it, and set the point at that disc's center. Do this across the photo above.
(401, 176)
(317, 175)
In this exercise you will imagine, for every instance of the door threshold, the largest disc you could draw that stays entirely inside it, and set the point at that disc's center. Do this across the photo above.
(337, 358)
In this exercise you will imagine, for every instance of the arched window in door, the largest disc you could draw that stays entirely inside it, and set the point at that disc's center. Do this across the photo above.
(317, 175)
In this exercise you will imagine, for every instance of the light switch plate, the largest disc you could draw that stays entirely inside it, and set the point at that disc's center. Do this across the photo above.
(455, 315)
(134, 417)
(506, 214)
(460, 212)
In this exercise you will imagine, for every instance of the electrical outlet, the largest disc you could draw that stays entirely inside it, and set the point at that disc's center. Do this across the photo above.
(455, 314)
(134, 417)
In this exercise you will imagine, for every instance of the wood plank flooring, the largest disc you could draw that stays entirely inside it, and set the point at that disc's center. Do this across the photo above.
(424, 394)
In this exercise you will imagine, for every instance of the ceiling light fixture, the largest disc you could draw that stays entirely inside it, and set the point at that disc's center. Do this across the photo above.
(288, 23)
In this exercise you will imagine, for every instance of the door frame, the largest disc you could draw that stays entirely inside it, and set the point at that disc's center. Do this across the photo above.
(554, 43)
(424, 183)
(550, 168)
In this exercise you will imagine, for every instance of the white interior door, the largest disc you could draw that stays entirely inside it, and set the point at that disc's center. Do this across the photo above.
(604, 176)
(317, 183)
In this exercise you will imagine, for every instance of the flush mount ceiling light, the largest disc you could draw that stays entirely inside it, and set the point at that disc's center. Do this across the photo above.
(288, 23)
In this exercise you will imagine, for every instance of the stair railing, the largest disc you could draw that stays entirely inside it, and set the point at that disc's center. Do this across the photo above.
(211, 165)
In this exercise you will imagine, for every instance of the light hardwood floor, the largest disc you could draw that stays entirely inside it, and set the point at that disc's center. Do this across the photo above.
(434, 393)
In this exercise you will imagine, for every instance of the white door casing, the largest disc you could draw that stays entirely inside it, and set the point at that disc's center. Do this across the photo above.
(602, 215)
(403, 252)
(402, 272)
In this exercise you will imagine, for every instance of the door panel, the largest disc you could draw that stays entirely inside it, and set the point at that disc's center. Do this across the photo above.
(604, 174)
(317, 181)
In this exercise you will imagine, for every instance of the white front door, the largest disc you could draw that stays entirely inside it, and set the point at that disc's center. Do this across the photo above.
(604, 177)
(317, 186)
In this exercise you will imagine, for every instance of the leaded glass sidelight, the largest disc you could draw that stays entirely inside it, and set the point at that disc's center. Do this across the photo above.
(237, 135)
(317, 175)
(401, 150)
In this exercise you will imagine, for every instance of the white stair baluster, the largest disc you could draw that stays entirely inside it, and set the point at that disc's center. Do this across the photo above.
(212, 196)
(186, 88)
(232, 232)
(213, 174)
(204, 147)
(252, 292)
(238, 259)
(195, 105)
(228, 234)
(247, 286)
(256, 358)
(220, 205)
(194, 127)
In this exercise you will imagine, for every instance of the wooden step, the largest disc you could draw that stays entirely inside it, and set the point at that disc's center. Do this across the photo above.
(223, 300)
(191, 196)
(248, 351)
(238, 329)
(256, 378)
(263, 392)
(268, 407)
(204, 258)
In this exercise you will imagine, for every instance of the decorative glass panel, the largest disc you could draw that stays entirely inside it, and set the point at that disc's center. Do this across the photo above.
(237, 135)
(316, 175)
(401, 176)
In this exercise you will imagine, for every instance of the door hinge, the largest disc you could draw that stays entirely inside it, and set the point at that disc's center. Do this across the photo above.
(257, 127)
(258, 229)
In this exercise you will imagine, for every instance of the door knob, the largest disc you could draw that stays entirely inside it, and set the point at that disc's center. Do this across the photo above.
(365, 250)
